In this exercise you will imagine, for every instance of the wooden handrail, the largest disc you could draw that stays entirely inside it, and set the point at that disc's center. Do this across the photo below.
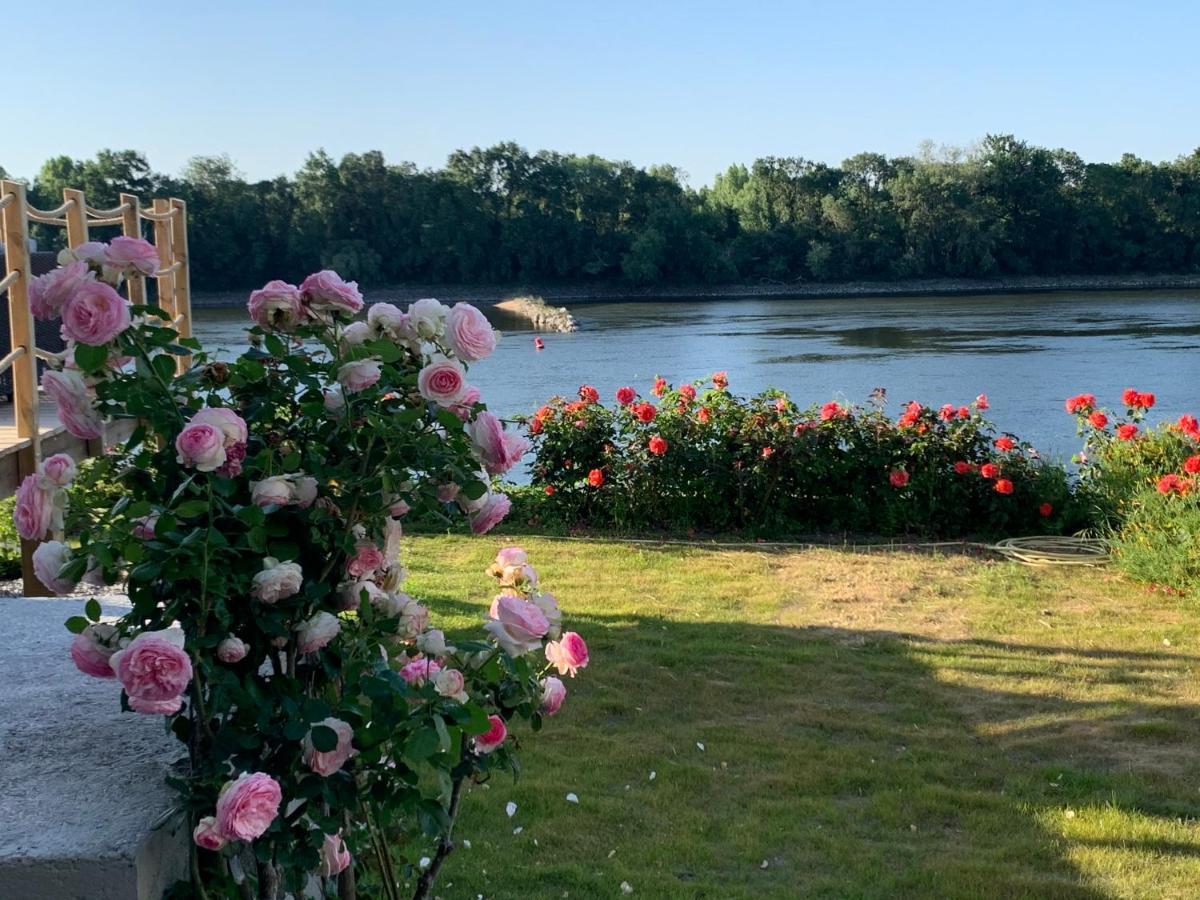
(11, 357)
(8, 279)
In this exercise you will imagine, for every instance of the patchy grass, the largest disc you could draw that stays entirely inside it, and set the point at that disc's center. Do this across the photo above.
(873, 726)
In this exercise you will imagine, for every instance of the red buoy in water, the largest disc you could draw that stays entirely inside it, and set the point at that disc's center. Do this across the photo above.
(539, 344)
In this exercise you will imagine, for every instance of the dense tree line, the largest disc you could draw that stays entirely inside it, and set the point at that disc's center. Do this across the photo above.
(504, 215)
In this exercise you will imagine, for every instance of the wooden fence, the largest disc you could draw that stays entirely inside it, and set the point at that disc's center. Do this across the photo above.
(22, 444)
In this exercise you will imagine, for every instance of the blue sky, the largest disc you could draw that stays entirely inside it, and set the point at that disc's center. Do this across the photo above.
(699, 85)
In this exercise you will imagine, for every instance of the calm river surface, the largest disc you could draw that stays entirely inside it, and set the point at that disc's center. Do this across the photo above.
(1027, 352)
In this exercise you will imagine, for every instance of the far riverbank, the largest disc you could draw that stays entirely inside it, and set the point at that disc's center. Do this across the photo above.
(607, 292)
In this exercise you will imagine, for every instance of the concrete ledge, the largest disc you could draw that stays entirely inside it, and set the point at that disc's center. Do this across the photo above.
(81, 783)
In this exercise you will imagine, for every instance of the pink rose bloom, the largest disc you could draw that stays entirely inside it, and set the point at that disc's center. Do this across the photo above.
(154, 666)
(232, 650)
(487, 512)
(398, 509)
(421, 668)
(367, 558)
(388, 321)
(143, 528)
(277, 581)
(450, 683)
(34, 510)
(554, 692)
(334, 399)
(315, 633)
(548, 604)
(325, 763)
(567, 655)
(131, 254)
(464, 407)
(92, 649)
(156, 707)
(201, 446)
(49, 293)
(48, 560)
(493, 737)
(232, 426)
(359, 375)
(305, 488)
(442, 381)
(59, 470)
(206, 835)
(447, 492)
(94, 314)
(247, 806)
(470, 334)
(325, 291)
(70, 393)
(274, 491)
(276, 306)
(516, 624)
(497, 449)
(426, 319)
(335, 858)
(511, 556)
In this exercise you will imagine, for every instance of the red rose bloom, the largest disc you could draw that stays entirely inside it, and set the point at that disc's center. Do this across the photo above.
(832, 410)
(780, 404)
(989, 470)
(946, 413)
(1129, 397)
(595, 478)
(964, 412)
(1188, 425)
(687, 392)
(657, 445)
(1173, 484)
(549, 490)
(535, 427)
(1126, 432)
(704, 416)
(962, 467)
(1003, 486)
(898, 478)
(544, 413)
(589, 394)
(1098, 419)
(720, 380)
(626, 395)
(1080, 403)
(660, 387)
(768, 452)
(644, 411)
(981, 402)
(911, 412)
(1191, 465)
(1004, 443)
(1145, 401)
(1045, 510)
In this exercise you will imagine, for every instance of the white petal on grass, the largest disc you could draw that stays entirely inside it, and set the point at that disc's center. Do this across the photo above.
(518, 829)
(653, 774)
(571, 798)
(700, 745)
(626, 887)
(467, 844)
(510, 808)
(424, 863)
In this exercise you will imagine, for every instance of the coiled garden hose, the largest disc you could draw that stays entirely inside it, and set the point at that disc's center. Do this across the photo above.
(1055, 550)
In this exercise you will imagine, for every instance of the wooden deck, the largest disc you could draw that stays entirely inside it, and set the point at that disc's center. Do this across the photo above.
(55, 439)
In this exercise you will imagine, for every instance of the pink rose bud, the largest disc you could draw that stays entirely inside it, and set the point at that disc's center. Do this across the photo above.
(325, 291)
(276, 306)
(94, 314)
(493, 737)
(326, 762)
(511, 556)
(34, 510)
(206, 835)
(487, 512)
(335, 858)
(277, 581)
(317, 632)
(420, 669)
(247, 806)
(567, 655)
(450, 683)
(274, 491)
(232, 650)
(92, 649)
(143, 528)
(554, 692)
(232, 426)
(48, 560)
(497, 449)
(59, 470)
(70, 394)
(367, 559)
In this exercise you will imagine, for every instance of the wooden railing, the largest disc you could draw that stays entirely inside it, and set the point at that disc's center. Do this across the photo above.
(168, 220)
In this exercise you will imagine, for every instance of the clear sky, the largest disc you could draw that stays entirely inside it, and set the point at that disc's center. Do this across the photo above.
(699, 85)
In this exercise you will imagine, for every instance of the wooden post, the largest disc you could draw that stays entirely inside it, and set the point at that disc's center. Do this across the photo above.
(162, 240)
(183, 283)
(76, 216)
(24, 369)
(131, 226)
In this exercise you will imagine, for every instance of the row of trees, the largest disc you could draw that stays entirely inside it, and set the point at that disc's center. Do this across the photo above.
(504, 215)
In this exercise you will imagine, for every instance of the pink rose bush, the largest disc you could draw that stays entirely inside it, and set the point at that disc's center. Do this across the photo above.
(256, 531)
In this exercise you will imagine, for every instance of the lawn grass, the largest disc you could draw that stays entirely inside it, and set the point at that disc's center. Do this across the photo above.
(873, 725)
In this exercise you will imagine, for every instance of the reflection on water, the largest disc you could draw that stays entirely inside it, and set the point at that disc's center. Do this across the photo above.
(1027, 352)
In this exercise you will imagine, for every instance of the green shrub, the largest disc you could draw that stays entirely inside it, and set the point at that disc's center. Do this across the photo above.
(1160, 539)
(10, 542)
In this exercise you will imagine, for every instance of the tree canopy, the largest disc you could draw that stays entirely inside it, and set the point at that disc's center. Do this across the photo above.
(504, 215)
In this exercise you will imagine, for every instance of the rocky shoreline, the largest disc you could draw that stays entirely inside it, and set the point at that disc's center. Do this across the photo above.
(611, 292)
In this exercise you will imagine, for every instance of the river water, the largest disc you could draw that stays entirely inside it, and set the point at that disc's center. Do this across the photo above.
(1027, 352)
